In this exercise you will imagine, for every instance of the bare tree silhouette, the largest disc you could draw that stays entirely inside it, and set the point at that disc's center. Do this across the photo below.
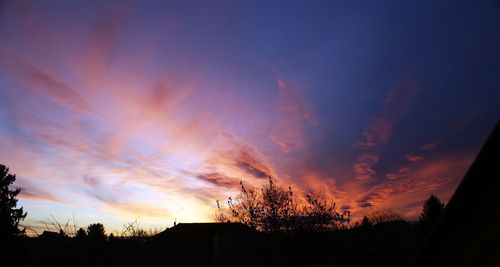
(274, 208)
(382, 215)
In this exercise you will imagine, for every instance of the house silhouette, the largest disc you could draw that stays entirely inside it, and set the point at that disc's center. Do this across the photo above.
(210, 244)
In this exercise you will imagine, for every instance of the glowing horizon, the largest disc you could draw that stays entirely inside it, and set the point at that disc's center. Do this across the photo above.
(110, 112)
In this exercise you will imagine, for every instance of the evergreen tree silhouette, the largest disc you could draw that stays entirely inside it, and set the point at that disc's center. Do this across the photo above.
(9, 214)
(432, 209)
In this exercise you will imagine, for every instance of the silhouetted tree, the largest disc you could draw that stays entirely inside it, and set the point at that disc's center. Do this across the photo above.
(276, 209)
(220, 215)
(247, 207)
(376, 216)
(431, 211)
(9, 214)
(95, 232)
(365, 222)
(81, 234)
(321, 214)
(277, 206)
(111, 237)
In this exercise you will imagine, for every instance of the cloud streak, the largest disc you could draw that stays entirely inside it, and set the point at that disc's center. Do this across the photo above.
(40, 81)
(294, 115)
(379, 131)
(431, 176)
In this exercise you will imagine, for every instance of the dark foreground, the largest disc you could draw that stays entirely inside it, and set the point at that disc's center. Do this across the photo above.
(226, 244)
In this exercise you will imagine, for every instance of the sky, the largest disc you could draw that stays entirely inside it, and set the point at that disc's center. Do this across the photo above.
(112, 111)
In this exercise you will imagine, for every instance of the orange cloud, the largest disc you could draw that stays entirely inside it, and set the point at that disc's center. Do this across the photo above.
(363, 168)
(240, 159)
(220, 180)
(411, 185)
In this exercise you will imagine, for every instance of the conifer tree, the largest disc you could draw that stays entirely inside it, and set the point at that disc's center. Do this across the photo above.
(10, 215)
(432, 209)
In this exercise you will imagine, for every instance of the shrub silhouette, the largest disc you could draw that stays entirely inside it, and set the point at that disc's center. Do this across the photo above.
(81, 234)
(10, 216)
(431, 211)
(95, 232)
(365, 222)
(132, 230)
(382, 215)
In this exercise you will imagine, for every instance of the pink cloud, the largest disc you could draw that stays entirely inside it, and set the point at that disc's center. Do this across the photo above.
(413, 158)
(34, 193)
(294, 114)
(400, 173)
(40, 81)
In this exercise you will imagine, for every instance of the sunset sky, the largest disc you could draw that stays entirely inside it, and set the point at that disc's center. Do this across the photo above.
(155, 109)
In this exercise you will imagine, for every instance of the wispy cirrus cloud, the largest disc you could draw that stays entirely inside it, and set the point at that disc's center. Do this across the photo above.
(363, 168)
(400, 173)
(35, 193)
(220, 179)
(410, 181)
(40, 81)
(293, 116)
(237, 158)
(380, 129)
(414, 157)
